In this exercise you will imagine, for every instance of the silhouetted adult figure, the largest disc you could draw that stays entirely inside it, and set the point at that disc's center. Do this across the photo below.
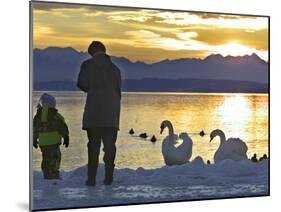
(101, 80)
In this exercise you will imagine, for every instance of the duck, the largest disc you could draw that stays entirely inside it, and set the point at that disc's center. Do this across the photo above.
(202, 133)
(254, 158)
(153, 139)
(231, 148)
(264, 157)
(131, 132)
(143, 135)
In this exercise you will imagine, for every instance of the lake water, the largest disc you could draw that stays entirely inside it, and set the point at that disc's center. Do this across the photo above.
(238, 115)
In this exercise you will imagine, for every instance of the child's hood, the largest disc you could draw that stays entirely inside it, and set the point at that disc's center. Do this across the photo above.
(47, 100)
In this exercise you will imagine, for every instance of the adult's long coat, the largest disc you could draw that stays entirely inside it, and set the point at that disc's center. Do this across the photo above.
(101, 80)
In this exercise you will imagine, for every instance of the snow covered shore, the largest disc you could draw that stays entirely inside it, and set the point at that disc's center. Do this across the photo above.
(194, 180)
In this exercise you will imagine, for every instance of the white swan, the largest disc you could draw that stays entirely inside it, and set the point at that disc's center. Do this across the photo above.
(232, 148)
(175, 154)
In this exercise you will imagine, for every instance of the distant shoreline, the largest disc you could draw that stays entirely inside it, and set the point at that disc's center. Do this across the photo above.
(168, 85)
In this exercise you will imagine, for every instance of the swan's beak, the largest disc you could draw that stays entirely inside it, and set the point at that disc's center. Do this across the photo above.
(161, 130)
(210, 140)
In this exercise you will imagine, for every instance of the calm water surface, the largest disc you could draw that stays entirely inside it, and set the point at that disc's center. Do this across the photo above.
(238, 115)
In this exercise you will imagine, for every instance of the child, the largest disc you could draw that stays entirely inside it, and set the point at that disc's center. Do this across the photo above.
(49, 128)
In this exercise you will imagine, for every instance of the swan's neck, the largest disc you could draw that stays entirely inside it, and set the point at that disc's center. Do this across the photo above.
(171, 133)
(222, 136)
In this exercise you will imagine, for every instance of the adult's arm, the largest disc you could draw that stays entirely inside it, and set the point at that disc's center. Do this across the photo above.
(83, 82)
(119, 81)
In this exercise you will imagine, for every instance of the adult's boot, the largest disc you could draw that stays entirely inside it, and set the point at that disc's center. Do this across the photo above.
(109, 169)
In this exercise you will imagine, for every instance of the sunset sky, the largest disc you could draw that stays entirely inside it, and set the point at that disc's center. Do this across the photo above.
(149, 35)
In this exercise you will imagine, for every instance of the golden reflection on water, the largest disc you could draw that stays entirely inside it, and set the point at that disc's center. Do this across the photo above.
(238, 115)
(235, 110)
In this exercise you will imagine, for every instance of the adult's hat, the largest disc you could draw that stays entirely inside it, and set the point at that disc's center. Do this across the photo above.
(96, 46)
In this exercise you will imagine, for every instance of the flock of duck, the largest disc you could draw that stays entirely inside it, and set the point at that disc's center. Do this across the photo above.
(176, 153)
(153, 139)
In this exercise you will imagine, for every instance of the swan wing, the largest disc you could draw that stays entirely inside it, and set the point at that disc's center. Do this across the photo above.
(238, 145)
(185, 148)
(233, 148)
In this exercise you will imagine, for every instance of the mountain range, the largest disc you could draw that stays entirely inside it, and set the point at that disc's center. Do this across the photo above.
(57, 68)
